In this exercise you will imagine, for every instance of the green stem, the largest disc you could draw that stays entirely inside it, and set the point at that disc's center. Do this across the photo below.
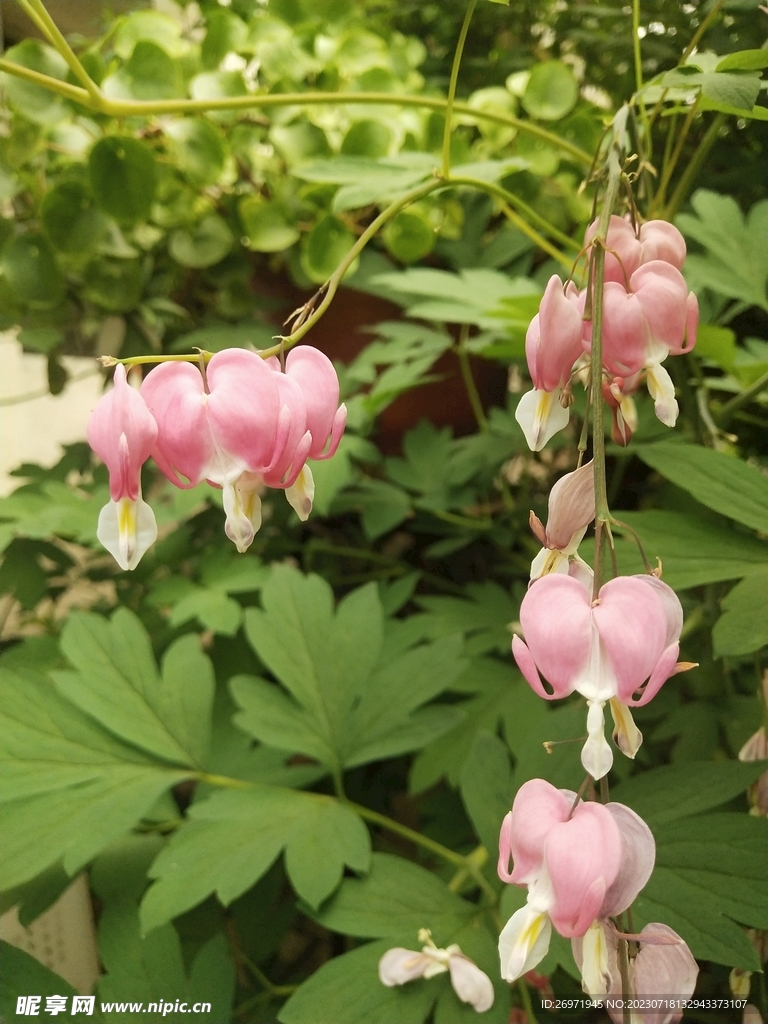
(330, 289)
(452, 88)
(451, 517)
(70, 92)
(469, 380)
(694, 166)
(639, 71)
(670, 164)
(525, 999)
(467, 863)
(738, 401)
(37, 13)
(149, 108)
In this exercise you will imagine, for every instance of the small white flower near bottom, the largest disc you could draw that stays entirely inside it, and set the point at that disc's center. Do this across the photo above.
(399, 966)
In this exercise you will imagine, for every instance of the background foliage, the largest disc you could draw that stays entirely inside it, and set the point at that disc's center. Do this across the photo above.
(276, 767)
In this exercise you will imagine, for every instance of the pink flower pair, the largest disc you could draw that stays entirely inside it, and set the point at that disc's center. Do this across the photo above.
(620, 648)
(242, 424)
(580, 861)
(648, 314)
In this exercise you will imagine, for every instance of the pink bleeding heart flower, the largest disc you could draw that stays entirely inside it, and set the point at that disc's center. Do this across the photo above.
(473, 986)
(627, 250)
(218, 429)
(620, 648)
(656, 318)
(310, 381)
(663, 966)
(122, 432)
(581, 862)
(571, 509)
(570, 858)
(552, 345)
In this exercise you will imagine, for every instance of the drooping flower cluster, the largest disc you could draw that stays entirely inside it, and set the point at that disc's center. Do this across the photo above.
(241, 424)
(582, 864)
(648, 314)
(620, 648)
(473, 986)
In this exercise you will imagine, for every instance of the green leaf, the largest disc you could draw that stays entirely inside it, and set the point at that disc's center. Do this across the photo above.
(486, 788)
(70, 218)
(225, 33)
(743, 626)
(23, 975)
(724, 484)
(34, 102)
(217, 85)
(693, 550)
(202, 245)
(409, 236)
(397, 897)
(551, 92)
(347, 990)
(69, 786)
(484, 616)
(31, 271)
(367, 138)
(497, 693)
(117, 682)
(717, 344)
(744, 60)
(149, 74)
(123, 177)
(348, 704)
(710, 871)
(199, 149)
(670, 792)
(215, 338)
(232, 838)
(146, 969)
(736, 263)
(114, 284)
(299, 141)
(150, 25)
(325, 247)
(267, 226)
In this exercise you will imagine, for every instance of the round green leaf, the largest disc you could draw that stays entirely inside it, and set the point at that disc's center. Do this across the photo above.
(149, 74)
(206, 243)
(199, 149)
(409, 236)
(31, 270)
(266, 225)
(115, 285)
(300, 141)
(214, 85)
(551, 92)
(152, 25)
(123, 177)
(367, 138)
(70, 219)
(33, 101)
(325, 247)
(225, 34)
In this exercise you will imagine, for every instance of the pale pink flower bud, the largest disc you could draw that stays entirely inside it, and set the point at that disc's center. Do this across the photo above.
(571, 509)
(122, 432)
(624, 646)
(314, 373)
